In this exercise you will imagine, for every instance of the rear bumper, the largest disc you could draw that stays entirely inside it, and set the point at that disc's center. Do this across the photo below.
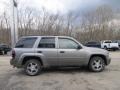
(14, 63)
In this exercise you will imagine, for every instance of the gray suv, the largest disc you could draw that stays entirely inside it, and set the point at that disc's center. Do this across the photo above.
(36, 52)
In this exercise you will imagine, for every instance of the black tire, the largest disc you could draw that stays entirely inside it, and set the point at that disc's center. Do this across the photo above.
(32, 65)
(5, 52)
(115, 49)
(95, 67)
(105, 47)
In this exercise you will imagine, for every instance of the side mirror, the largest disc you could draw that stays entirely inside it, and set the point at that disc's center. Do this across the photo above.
(79, 47)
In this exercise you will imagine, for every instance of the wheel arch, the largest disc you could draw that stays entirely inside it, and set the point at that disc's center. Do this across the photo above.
(99, 55)
(27, 58)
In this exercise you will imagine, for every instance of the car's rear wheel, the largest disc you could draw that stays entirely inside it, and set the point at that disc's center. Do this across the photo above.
(5, 52)
(97, 64)
(2, 52)
(33, 67)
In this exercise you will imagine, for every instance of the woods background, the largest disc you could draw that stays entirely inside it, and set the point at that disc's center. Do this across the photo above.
(102, 23)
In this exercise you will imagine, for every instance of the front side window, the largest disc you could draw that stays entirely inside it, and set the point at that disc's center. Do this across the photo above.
(26, 42)
(65, 43)
(47, 42)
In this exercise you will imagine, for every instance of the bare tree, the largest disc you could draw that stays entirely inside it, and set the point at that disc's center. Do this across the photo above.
(92, 25)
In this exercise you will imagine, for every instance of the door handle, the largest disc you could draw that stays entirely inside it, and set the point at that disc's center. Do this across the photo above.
(62, 51)
(39, 51)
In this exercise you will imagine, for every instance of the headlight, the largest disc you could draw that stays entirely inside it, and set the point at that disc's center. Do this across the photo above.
(108, 53)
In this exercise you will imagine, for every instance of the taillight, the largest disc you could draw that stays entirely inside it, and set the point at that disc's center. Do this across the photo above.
(13, 53)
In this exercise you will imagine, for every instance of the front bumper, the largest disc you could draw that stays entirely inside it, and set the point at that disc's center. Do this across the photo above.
(108, 61)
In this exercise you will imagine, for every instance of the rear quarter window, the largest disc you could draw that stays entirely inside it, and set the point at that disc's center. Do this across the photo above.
(26, 42)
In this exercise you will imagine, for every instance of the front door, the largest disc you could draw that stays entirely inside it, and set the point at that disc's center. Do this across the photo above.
(68, 52)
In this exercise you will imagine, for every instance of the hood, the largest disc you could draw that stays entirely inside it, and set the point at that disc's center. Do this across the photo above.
(97, 50)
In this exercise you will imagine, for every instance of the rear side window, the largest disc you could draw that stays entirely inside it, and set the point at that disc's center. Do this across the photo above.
(47, 42)
(26, 42)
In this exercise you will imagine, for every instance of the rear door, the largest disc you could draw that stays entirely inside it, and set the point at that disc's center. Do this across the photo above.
(47, 48)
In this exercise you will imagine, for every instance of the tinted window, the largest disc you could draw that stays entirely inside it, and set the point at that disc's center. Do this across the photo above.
(3, 45)
(26, 42)
(108, 41)
(67, 44)
(91, 43)
(119, 41)
(115, 41)
(47, 42)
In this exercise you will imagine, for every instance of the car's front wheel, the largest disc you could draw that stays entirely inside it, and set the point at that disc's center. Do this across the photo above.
(97, 64)
(105, 47)
(33, 67)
